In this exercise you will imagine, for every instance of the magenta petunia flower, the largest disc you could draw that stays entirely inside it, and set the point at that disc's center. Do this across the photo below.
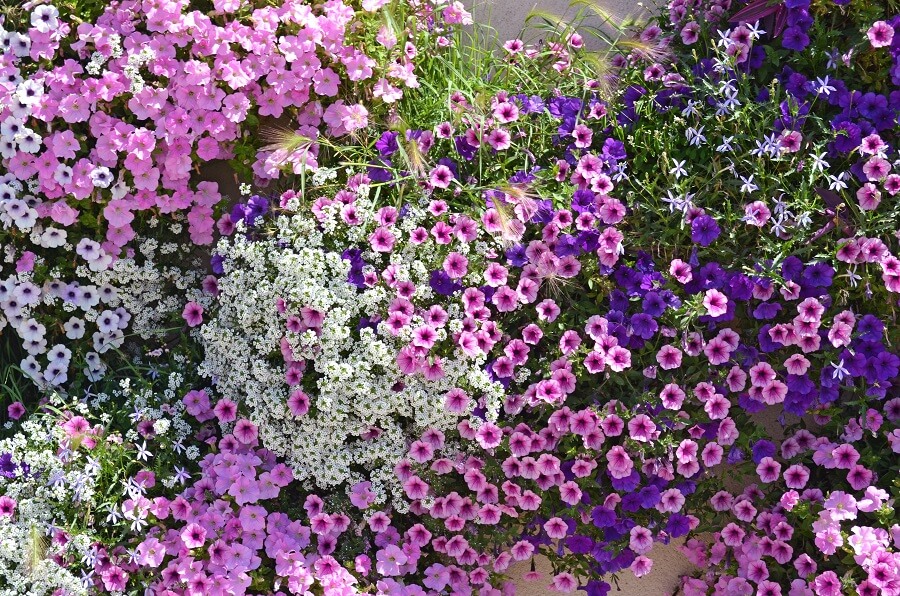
(499, 139)
(7, 506)
(716, 303)
(15, 410)
(768, 470)
(669, 357)
(441, 176)
(382, 240)
(193, 535)
(868, 196)
(245, 431)
(880, 34)
(225, 410)
(298, 403)
(192, 314)
(620, 464)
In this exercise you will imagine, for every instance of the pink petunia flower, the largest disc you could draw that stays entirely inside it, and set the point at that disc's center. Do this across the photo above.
(192, 314)
(880, 34)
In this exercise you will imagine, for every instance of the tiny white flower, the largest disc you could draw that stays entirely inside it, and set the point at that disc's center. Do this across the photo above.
(755, 31)
(725, 147)
(142, 453)
(836, 183)
(823, 87)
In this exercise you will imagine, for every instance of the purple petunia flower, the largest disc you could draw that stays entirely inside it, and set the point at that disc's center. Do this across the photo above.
(643, 325)
(750, 405)
(567, 245)
(357, 264)
(621, 561)
(7, 466)
(761, 449)
(704, 230)
(792, 268)
(255, 207)
(216, 263)
(870, 328)
(465, 150)
(579, 545)
(544, 213)
(882, 367)
(766, 311)
(818, 275)
(603, 517)
(597, 587)
(649, 496)
(794, 38)
(653, 304)
(627, 483)
(523, 177)
(530, 104)
(613, 149)
(377, 173)
(631, 502)
(441, 283)
(516, 255)
(387, 144)
(565, 107)
(583, 200)
(848, 136)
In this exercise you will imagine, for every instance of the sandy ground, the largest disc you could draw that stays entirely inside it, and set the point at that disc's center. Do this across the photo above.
(668, 565)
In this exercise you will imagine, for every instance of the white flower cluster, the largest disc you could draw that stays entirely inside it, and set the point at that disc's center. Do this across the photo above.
(363, 411)
(149, 287)
(98, 59)
(50, 480)
(94, 306)
(21, 298)
(25, 570)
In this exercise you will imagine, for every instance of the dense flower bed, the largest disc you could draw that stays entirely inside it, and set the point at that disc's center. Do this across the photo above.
(466, 307)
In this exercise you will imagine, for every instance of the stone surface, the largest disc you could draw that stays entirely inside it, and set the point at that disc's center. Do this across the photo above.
(668, 565)
(508, 17)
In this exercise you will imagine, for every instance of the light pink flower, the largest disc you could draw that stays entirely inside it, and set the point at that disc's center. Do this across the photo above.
(880, 34)
(716, 303)
(193, 536)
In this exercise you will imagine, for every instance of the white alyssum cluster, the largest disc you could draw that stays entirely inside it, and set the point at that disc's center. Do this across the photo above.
(25, 572)
(151, 288)
(363, 410)
(52, 481)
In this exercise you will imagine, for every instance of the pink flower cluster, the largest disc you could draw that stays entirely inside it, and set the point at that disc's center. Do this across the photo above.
(104, 124)
(769, 534)
(156, 88)
(218, 537)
